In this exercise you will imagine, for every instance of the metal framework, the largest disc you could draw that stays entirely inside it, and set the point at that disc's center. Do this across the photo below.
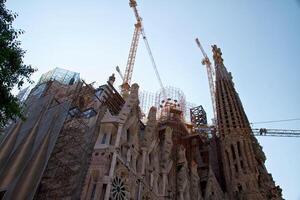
(131, 58)
(276, 132)
(139, 29)
(149, 99)
(210, 74)
(262, 132)
(198, 116)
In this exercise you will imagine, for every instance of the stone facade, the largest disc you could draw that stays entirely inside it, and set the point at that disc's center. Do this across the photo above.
(99, 147)
(168, 159)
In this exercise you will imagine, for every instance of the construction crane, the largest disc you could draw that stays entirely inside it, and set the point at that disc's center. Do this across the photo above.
(210, 74)
(139, 29)
(259, 131)
(275, 132)
(131, 58)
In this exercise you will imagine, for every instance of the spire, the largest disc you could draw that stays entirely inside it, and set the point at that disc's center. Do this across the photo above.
(239, 165)
(217, 55)
(231, 116)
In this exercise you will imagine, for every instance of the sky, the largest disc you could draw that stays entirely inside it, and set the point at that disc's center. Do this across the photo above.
(259, 40)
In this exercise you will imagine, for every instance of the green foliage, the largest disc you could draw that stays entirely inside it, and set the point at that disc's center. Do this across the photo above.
(13, 72)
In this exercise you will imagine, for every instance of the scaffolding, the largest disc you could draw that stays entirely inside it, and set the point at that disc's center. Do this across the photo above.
(173, 96)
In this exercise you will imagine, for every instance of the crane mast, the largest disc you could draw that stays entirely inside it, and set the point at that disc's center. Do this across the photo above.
(131, 59)
(210, 74)
(139, 29)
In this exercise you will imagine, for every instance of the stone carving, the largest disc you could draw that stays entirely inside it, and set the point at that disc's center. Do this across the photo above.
(182, 175)
(167, 148)
(134, 91)
(121, 184)
(150, 128)
(195, 182)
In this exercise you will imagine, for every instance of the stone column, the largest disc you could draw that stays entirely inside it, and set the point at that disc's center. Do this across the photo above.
(165, 181)
(144, 153)
(134, 161)
(114, 160)
(250, 165)
(245, 160)
(231, 162)
(128, 156)
(251, 159)
(237, 157)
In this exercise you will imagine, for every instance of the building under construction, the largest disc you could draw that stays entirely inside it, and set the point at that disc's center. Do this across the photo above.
(93, 143)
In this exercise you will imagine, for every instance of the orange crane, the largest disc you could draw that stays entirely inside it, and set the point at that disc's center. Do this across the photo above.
(131, 59)
(210, 74)
(139, 29)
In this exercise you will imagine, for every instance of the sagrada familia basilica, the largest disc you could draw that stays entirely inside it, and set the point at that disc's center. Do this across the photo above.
(84, 142)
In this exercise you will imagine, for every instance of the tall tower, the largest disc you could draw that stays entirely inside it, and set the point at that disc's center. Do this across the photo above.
(238, 157)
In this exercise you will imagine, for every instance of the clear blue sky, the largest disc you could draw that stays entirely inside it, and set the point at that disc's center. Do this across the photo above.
(259, 39)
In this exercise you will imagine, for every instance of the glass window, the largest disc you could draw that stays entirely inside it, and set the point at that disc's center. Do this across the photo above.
(98, 93)
(74, 111)
(88, 113)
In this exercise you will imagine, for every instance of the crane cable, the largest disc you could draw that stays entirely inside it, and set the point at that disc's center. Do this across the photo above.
(133, 4)
(153, 62)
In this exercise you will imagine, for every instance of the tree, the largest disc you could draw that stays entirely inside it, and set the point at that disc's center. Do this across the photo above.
(13, 72)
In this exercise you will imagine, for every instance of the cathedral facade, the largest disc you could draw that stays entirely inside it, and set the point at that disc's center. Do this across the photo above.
(81, 142)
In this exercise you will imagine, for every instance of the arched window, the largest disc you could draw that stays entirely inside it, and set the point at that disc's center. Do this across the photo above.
(239, 148)
(128, 135)
(93, 191)
(233, 152)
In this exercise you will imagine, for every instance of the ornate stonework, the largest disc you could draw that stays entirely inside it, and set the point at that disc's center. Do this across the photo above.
(91, 143)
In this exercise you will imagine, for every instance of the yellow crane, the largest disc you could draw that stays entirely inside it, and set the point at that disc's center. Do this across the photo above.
(131, 58)
(210, 75)
(139, 29)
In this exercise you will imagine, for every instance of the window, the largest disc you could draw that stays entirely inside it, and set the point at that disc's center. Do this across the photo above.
(240, 188)
(236, 168)
(88, 113)
(233, 153)
(2, 193)
(74, 111)
(128, 135)
(228, 161)
(110, 140)
(93, 191)
(103, 141)
(98, 92)
(242, 164)
(103, 191)
(239, 148)
(142, 134)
